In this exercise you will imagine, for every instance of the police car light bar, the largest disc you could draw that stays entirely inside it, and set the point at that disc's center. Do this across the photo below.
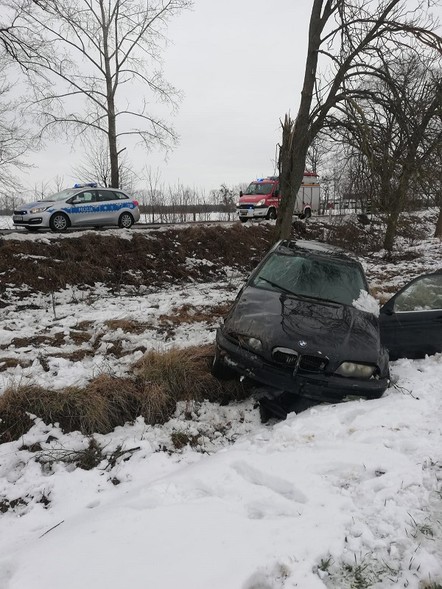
(87, 185)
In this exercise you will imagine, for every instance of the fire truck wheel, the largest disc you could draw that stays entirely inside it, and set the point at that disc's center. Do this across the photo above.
(271, 214)
(242, 219)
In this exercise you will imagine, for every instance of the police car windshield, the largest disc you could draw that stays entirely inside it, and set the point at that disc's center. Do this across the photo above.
(259, 188)
(63, 195)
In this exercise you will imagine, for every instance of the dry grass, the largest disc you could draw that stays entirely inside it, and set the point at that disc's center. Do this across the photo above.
(126, 325)
(35, 341)
(6, 363)
(79, 337)
(354, 237)
(185, 375)
(148, 258)
(106, 402)
(189, 314)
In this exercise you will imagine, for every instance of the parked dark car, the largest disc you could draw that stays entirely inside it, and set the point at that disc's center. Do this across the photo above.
(295, 327)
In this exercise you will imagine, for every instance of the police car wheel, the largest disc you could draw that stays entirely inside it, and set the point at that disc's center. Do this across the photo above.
(125, 221)
(59, 222)
(243, 219)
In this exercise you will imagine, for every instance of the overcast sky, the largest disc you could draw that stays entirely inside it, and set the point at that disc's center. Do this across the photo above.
(239, 64)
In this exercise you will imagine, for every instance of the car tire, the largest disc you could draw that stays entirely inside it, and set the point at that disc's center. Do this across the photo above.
(306, 214)
(219, 370)
(271, 409)
(271, 215)
(59, 222)
(243, 220)
(125, 221)
(281, 406)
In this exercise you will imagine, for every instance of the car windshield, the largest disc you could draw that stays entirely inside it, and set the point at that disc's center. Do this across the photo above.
(63, 195)
(259, 188)
(317, 278)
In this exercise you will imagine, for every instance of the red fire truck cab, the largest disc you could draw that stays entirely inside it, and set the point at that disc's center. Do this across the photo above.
(262, 197)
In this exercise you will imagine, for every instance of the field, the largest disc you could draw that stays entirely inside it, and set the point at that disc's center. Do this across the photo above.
(200, 494)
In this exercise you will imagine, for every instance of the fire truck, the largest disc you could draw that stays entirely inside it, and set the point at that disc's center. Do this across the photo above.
(262, 197)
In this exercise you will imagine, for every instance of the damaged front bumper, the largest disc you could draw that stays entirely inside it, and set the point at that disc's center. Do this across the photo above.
(317, 386)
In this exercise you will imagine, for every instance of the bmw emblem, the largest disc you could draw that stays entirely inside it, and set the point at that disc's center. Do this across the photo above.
(302, 343)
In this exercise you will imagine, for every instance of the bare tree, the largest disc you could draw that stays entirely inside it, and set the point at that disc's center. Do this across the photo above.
(100, 69)
(347, 36)
(430, 183)
(227, 197)
(95, 164)
(395, 127)
(15, 140)
(16, 38)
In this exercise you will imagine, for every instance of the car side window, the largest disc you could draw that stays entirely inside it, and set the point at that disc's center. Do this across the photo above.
(87, 197)
(119, 196)
(425, 294)
(105, 195)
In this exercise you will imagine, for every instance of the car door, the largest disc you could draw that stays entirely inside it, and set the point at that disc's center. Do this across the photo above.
(107, 208)
(83, 208)
(411, 321)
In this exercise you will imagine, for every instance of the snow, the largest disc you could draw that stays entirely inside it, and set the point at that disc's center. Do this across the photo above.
(330, 496)
(366, 302)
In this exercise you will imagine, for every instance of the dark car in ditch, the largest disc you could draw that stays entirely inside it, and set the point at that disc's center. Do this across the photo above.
(302, 326)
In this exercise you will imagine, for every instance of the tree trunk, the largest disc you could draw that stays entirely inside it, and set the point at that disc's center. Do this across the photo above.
(113, 152)
(294, 148)
(438, 231)
(390, 232)
(110, 101)
(397, 206)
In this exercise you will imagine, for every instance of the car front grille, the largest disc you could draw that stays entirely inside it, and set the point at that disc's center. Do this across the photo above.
(313, 363)
(290, 358)
(285, 356)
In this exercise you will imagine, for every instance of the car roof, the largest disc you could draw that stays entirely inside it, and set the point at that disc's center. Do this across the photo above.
(315, 248)
(97, 186)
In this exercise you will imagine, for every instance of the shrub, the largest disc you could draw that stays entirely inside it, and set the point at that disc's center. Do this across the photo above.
(159, 381)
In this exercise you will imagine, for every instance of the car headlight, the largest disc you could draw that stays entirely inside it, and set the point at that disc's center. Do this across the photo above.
(261, 202)
(38, 210)
(253, 343)
(350, 369)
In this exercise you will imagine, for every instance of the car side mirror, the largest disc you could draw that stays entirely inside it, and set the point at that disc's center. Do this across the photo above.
(240, 193)
(277, 193)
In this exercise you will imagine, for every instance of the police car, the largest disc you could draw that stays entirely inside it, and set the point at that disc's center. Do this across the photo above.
(81, 206)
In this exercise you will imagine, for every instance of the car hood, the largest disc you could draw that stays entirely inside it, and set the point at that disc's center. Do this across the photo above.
(251, 198)
(336, 331)
(36, 203)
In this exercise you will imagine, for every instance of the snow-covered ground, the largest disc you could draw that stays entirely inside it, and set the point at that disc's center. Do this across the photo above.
(340, 496)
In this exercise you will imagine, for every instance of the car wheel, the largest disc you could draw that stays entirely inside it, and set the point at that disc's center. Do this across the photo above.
(59, 222)
(125, 221)
(220, 370)
(243, 220)
(280, 407)
(271, 214)
(271, 409)
(296, 403)
(307, 214)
